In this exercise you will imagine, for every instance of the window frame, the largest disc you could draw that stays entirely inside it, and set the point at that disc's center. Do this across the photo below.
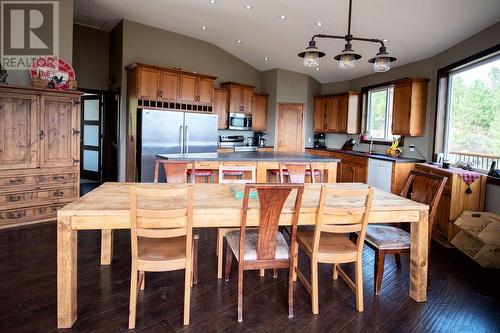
(443, 96)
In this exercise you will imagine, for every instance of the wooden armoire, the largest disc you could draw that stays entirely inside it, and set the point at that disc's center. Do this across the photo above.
(39, 153)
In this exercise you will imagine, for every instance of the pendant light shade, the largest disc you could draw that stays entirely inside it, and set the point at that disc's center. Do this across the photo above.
(382, 61)
(311, 55)
(347, 58)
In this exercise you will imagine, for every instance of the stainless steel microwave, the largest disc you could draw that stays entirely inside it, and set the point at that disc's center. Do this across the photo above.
(240, 121)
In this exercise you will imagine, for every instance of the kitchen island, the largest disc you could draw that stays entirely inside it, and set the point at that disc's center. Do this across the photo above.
(263, 162)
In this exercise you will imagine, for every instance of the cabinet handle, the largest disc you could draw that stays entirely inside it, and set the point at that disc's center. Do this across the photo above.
(75, 131)
(58, 177)
(16, 215)
(16, 181)
(76, 102)
(14, 198)
(41, 134)
(75, 161)
(161, 93)
(58, 193)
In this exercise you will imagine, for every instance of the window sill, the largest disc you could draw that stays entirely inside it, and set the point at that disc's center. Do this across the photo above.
(383, 142)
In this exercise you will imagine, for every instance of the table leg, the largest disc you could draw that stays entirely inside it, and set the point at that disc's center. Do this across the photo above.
(106, 246)
(261, 173)
(331, 173)
(66, 273)
(419, 257)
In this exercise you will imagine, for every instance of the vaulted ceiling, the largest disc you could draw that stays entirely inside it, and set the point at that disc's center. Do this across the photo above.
(273, 32)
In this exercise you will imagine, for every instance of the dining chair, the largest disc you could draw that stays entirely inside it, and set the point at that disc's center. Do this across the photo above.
(221, 232)
(156, 246)
(264, 247)
(340, 212)
(176, 173)
(296, 172)
(422, 187)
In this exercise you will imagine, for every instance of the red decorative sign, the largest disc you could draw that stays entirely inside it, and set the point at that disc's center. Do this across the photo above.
(55, 69)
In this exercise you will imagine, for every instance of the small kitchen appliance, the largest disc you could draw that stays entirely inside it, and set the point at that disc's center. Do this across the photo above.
(240, 121)
(259, 139)
(319, 141)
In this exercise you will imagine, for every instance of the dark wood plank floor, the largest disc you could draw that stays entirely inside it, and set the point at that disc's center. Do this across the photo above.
(462, 297)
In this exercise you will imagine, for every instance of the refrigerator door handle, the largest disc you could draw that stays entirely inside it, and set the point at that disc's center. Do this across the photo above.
(187, 140)
(181, 139)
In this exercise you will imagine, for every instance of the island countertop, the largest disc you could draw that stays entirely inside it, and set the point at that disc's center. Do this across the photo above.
(250, 157)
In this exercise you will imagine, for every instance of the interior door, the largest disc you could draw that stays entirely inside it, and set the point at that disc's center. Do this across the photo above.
(18, 131)
(290, 128)
(59, 124)
(110, 139)
(91, 130)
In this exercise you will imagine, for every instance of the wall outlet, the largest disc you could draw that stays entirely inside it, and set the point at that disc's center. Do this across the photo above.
(412, 147)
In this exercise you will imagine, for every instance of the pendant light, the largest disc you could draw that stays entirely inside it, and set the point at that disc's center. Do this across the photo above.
(382, 61)
(348, 57)
(311, 55)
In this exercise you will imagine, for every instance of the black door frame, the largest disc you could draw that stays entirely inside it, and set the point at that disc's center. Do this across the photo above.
(100, 95)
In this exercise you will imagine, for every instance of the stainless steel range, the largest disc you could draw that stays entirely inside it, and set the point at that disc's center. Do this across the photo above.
(237, 142)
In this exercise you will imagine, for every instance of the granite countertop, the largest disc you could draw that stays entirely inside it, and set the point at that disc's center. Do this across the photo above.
(377, 156)
(249, 156)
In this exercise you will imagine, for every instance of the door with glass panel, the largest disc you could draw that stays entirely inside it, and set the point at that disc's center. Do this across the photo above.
(90, 166)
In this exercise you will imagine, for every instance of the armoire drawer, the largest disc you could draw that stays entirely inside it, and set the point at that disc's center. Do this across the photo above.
(29, 214)
(38, 179)
(37, 195)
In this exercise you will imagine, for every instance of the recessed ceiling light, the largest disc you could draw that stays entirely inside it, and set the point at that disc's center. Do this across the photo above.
(266, 58)
(319, 24)
(283, 17)
(212, 1)
(238, 41)
(317, 68)
(203, 28)
(385, 40)
(248, 7)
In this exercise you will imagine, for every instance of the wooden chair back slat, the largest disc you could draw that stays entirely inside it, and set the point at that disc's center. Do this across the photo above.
(333, 218)
(272, 198)
(161, 233)
(175, 171)
(425, 188)
(296, 172)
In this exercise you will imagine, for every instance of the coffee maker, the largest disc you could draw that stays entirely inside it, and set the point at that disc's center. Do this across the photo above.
(319, 141)
(259, 139)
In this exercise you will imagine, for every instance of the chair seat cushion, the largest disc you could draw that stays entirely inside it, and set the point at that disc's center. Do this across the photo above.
(387, 237)
(201, 172)
(329, 243)
(277, 171)
(161, 249)
(251, 240)
(233, 172)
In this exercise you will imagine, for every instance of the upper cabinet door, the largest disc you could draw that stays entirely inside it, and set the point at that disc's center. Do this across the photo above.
(18, 131)
(169, 86)
(221, 106)
(246, 99)
(332, 113)
(205, 91)
(319, 124)
(148, 83)
(401, 108)
(235, 96)
(259, 112)
(188, 89)
(60, 126)
(343, 113)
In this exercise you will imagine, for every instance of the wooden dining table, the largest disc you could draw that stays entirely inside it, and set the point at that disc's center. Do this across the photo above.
(214, 205)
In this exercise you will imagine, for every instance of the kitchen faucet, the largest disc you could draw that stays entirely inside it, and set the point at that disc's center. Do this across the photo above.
(370, 149)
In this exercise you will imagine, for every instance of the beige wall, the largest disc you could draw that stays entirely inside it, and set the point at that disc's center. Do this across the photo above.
(91, 57)
(21, 77)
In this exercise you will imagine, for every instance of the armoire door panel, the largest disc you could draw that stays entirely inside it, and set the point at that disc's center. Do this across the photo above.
(18, 131)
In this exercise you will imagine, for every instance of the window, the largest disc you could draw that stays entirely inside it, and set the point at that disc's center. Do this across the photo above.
(379, 113)
(472, 122)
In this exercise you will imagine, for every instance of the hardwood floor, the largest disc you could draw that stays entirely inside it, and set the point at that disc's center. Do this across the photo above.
(462, 297)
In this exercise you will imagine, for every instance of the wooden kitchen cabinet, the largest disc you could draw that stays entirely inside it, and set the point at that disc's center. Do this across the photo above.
(39, 153)
(339, 113)
(409, 107)
(240, 97)
(353, 169)
(196, 90)
(259, 112)
(168, 86)
(221, 106)
(148, 79)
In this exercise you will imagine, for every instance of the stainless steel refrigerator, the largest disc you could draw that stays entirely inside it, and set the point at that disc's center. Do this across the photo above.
(170, 132)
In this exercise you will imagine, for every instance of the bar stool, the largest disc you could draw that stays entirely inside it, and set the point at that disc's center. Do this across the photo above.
(207, 173)
(286, 173)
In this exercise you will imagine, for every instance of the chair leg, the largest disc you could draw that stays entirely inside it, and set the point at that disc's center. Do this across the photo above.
(335, 273)
(275, 273)
(196, 239)
(314, 287)
(187, 293)
(220, 248)
(296, 260)
(262, 272)
(290, 290)
(229, 261)
(133, 298)
(379, 270)
(359, 286)
(142, 278)
(397, 257)
(240, 292)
